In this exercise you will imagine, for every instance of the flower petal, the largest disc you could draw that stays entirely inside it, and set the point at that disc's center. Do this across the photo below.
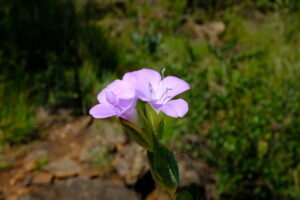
(174, 85)
(102, 96)
(144, 81)
(175, 108)
(102, 111)
(130, 115)
(121, 89)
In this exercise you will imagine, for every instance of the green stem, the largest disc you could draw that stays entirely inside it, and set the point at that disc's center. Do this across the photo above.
(172, 195)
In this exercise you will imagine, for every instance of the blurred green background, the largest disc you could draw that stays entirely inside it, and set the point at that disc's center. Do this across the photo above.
(241, 57)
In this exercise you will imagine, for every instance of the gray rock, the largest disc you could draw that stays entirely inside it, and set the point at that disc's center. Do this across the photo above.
(131, 163)
(63, 167)
(193, 170)
(36, 154)
(81, 189)
(109, 134)
(93, 152)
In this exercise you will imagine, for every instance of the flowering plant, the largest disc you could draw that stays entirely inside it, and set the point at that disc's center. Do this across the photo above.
(139, 99)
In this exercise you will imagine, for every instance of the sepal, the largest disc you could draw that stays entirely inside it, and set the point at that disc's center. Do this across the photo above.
(155, 120)
(137, 134)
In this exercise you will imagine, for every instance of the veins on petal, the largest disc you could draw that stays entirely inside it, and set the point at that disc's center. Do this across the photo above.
(152, 92)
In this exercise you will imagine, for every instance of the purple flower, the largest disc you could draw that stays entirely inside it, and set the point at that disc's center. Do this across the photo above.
(117, 99)
(159, 92)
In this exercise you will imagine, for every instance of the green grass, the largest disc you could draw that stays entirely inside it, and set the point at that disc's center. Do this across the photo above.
(16, 115)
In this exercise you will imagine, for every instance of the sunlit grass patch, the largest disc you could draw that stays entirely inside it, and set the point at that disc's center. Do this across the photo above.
(16, 115)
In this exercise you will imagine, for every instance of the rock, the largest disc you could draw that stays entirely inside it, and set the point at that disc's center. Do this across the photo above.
(18, 176)
(214, 29)
(89, 172)
(192, 170)
(93, 152)
(108, 133)
(114, 179)
(131, 163)
(112, 134)
(63, 167)
(69, 130)
(210, 30)
(30, 165)
(41, 178)
(36, 155)
(27, 180)
(13, 197)
(81, 189)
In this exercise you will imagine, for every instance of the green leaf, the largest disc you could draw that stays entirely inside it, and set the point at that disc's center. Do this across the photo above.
(164, 168)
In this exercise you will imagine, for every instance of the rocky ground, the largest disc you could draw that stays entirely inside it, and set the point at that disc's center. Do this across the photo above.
(80, 158)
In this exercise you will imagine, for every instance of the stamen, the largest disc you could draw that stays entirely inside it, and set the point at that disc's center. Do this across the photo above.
(164, 96)
(163, 76)
(163, 73)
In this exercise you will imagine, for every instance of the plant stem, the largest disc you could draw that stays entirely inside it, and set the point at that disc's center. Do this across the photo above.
(172, 195)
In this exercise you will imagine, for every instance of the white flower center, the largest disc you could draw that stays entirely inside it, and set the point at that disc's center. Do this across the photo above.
(161, 97)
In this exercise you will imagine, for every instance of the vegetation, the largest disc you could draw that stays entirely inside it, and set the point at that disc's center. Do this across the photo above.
(244, 101)
(49, 55)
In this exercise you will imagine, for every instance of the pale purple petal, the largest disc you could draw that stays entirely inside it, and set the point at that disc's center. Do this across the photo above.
(175, 108)
(120, 89)
(102, 111)
(123, 90)
(174, 86)
(130, 115)
(125, 103)
(127, 107)
(102, 96)
(143, 75)
(145, 81)
(111, 98)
